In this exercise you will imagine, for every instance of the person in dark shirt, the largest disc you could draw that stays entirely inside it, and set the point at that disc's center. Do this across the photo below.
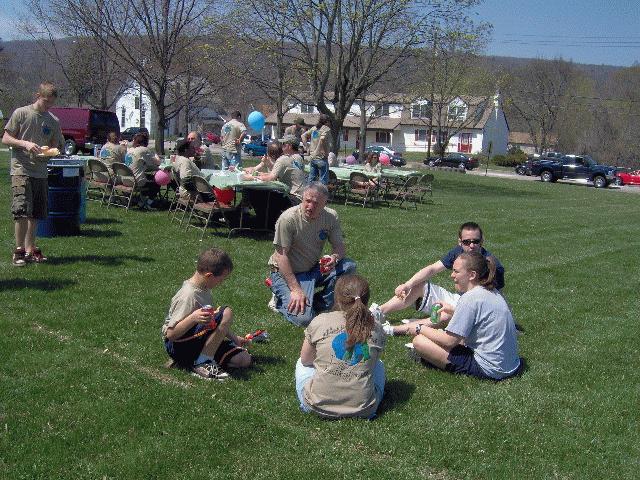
(419, 291)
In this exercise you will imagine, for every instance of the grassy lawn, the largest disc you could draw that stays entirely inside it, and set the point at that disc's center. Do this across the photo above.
(83, 391)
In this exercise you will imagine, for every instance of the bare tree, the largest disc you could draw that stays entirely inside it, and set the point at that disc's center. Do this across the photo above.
(454, 90)
(80, 54)
(538, 93)
(343, 48)
(154, 41)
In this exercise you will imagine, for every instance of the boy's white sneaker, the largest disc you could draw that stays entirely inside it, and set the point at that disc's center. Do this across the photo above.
(272, 303)
(209, 371)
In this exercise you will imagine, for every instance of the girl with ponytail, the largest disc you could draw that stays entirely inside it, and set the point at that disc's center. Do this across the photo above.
(480, 339)
(339, 373)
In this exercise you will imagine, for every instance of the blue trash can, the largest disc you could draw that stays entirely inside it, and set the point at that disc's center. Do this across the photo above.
(64, 198)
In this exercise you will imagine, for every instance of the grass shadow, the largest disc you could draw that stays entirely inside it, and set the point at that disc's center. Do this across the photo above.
(396, 392)
(257, 368)
(101, 221)
(92, 233)
(44, 285)
(103, 260)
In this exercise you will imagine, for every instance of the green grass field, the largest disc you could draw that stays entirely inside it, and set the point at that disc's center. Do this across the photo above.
(83, 391)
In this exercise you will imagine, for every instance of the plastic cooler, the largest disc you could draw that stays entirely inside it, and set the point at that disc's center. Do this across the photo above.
(65, 198)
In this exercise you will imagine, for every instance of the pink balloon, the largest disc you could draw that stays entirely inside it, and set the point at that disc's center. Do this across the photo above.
(350, 160)
(162, 178)
(384, 159)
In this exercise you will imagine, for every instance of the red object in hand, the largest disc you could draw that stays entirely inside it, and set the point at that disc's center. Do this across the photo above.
(324, 261)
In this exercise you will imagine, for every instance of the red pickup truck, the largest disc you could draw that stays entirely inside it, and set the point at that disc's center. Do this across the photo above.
(84, 128)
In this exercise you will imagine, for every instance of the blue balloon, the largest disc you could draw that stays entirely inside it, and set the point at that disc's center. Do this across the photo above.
(256, 120)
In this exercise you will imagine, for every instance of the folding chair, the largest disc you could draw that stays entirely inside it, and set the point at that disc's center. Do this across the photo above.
(183, 200)
(408, 192)
(425, 185)
(98, 180)
(124, 187)
(336, 187)
(203, 208)
(359, 189)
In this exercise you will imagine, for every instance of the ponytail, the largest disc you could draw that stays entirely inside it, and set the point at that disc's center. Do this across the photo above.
(352, 297)
(485, 268)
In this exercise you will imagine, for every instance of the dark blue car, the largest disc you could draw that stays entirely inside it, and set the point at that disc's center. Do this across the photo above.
(255, 148)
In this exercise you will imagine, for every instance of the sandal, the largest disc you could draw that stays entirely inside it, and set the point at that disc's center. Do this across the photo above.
(19, 257)
(35, 256)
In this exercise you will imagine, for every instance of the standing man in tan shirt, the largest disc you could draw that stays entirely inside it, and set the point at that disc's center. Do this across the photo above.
(232, 134)
(319, 138)
(301, 234)
(28, 130)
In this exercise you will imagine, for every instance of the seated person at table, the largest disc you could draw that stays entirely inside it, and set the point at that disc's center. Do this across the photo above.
(142, 160)
(419, 291)
(287, 169)
(301, 233)
(339, 373)
(200, 154)
(274, 151)
(372, 162)
(112, 151)
(480, 339)
(187, 169)
(196, 338)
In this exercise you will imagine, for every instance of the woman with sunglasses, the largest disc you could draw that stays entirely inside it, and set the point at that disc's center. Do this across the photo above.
(480, 339)
(419, 291)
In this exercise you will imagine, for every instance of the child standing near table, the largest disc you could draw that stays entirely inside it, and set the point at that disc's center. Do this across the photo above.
(196, 338)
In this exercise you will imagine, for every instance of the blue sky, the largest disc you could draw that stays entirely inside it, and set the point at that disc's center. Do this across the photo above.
(585, 31)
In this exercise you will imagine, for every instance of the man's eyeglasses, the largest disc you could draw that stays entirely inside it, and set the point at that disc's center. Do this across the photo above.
(469, 241)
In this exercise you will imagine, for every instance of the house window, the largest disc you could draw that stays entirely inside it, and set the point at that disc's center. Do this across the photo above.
(381, 110)
(457, 112)
(122, 116)
(383, 137)
(307, 108)
(345, 134)
(421, 110)
(420, 135)
(136, 101)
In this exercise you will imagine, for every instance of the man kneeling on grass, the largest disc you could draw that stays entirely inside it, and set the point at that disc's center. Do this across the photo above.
(199, 338)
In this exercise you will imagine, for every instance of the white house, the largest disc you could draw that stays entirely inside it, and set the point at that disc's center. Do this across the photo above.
(133, 108)
(404, 126)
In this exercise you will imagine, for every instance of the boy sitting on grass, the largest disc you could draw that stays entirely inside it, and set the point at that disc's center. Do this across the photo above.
(199, 339)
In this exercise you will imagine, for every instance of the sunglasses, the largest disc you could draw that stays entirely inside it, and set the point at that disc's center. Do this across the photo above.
(469, 241)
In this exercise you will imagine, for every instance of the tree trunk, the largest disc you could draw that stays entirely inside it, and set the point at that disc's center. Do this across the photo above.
(160, 125)
(362, 133)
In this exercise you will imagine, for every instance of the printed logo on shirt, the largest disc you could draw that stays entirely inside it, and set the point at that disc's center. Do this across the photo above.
(128, 159)
(46, 130)
(353, 355)
(323, 235)
(315, 134)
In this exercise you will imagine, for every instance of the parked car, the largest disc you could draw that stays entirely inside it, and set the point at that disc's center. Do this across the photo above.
(394, 157)
(255, 148)
(457, 160)
(255, 139)
(524, 168)
(209, 137)
(131, 132)
(627, 177)
(574, 167)
(84, 128)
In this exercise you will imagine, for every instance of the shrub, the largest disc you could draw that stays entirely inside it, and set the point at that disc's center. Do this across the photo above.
(510, 160)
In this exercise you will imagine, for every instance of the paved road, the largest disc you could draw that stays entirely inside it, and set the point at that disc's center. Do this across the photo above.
(514, 176)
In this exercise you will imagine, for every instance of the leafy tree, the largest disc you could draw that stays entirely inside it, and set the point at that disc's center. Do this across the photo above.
(344, 48)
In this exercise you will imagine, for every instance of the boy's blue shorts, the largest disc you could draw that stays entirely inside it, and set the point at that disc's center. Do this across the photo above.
(185, 353)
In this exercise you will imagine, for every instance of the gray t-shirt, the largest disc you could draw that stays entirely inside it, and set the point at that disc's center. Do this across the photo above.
(290, 171)
(41, 128)
(483, 318)
(343, 383)
(112, 152)
(304, 238)
(187, 300)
